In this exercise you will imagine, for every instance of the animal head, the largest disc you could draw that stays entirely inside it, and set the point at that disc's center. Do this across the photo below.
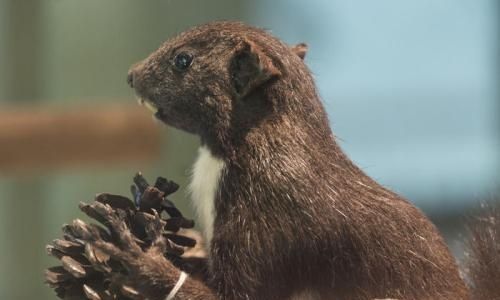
(215, 77)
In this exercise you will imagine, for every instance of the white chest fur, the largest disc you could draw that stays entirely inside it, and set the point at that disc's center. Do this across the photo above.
(204, 184)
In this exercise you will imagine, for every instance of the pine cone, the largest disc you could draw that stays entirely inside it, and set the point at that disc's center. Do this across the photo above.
(89, 273)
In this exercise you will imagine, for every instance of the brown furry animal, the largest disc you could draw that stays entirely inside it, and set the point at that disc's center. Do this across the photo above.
(286, 214)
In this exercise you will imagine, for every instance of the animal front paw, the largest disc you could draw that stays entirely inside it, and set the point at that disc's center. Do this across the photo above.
(147, 273)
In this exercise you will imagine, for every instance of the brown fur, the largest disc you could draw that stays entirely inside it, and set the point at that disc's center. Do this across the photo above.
(293, 213)
(483, 254)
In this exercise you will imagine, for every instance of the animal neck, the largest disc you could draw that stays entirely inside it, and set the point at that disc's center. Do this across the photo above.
(206, 173)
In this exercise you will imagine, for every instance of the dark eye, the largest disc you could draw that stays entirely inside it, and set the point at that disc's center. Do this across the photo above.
(183, 60)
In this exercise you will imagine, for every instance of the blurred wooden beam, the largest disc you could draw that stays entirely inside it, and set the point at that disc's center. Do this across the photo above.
(33, 139)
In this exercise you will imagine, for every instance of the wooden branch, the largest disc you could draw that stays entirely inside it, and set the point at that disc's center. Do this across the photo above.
(43, 138)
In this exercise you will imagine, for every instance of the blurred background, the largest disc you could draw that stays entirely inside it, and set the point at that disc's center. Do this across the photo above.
(412, 90)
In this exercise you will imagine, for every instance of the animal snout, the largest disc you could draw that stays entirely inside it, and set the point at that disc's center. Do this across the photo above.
(130, 78)
(134, 73)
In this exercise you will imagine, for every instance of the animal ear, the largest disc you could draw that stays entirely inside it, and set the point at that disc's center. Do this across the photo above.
(250, 68)
(300, 50)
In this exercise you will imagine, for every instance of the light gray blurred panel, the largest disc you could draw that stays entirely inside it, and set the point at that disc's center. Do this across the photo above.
(429, 149)
(383, 38)
(410, 88)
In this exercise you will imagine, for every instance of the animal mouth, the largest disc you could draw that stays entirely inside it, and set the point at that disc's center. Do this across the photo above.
(163, 115)
(153, 107)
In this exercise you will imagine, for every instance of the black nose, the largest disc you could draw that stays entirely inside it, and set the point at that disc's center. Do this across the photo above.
(130, 78)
